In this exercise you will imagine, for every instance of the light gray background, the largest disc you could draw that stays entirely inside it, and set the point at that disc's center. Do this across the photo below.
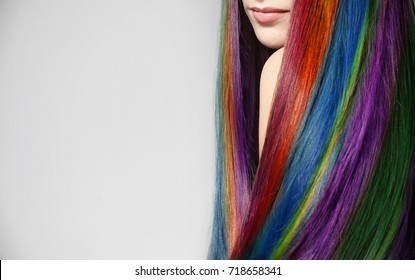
(106, 128)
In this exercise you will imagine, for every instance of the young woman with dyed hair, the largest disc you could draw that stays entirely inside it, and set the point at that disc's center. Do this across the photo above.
(315, 130)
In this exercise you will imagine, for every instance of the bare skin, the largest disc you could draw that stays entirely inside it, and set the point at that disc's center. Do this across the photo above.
(270, 20)
(269, 79)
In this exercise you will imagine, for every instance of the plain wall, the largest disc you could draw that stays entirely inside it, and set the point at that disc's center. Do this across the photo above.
(107, 128)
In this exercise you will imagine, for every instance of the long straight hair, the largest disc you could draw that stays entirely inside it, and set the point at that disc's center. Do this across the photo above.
(335, 179)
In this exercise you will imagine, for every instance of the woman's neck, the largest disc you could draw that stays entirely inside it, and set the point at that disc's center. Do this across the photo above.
(268, 83)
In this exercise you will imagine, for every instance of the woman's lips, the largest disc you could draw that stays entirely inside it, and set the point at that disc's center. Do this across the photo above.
(268, 15)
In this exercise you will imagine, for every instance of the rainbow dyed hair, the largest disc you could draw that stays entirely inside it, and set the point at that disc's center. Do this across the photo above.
(336, 178)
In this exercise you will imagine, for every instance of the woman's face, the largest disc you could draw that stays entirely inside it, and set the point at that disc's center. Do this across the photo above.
(270, 20)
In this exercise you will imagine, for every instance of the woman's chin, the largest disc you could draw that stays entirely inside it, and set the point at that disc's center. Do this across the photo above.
(272, 41)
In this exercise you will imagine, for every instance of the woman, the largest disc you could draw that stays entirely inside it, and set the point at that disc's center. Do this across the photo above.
(316, 130)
